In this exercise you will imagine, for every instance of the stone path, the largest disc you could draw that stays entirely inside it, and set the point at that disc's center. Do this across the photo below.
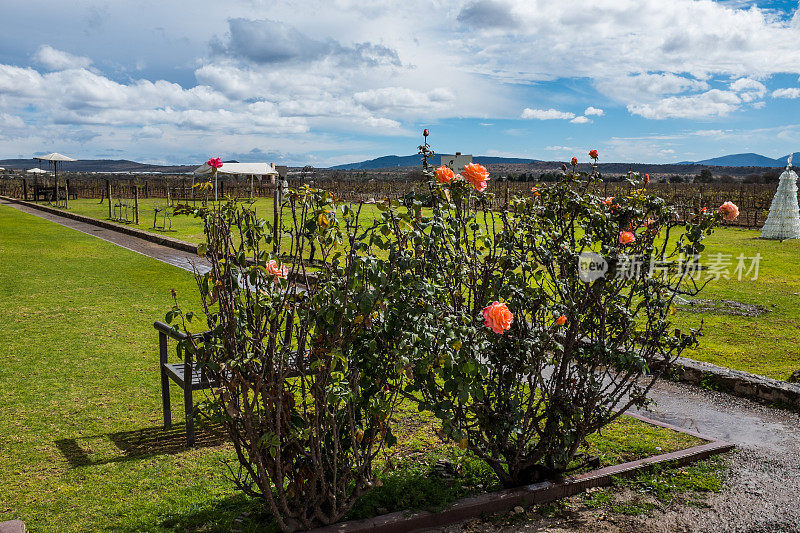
(165, 254)
(762, 491)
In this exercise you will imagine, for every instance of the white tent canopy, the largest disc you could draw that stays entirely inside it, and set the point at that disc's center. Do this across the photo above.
(241, 169)
(36, 171)
(55, 156)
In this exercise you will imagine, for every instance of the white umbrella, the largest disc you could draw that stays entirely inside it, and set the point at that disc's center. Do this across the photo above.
(241, 169)
(55, 158)
(36, 171)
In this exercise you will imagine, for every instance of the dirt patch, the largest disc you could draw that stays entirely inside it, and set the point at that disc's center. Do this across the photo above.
(722, 307)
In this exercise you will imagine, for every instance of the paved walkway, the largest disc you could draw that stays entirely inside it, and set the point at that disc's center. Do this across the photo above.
(165, 254)
(762, 492)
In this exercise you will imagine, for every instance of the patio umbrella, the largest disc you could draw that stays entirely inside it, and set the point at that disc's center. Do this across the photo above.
(57, 159)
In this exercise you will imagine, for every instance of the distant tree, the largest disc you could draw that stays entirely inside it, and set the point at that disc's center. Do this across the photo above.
(307, 172)
(726, 178)
(771, 176)
(705, 176)
(752, 178)
(675, 178)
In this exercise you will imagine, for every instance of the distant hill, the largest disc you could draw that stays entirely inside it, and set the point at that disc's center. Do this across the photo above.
(99, 165)
(393, 161)
(746, 160)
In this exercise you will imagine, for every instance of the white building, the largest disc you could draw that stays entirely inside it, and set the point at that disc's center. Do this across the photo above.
(456, 162)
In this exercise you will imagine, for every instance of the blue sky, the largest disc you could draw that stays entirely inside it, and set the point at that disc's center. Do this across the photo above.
(324, 82)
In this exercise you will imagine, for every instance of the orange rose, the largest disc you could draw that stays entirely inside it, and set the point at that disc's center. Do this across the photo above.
(497, 317)
(647, 178)
(729, 211)
(609, 200)
(626, 237)
(274, 270)
(560, 321)
(535, 192)
(574, 161)
(445, 174)
(476, 175)
(593, 154)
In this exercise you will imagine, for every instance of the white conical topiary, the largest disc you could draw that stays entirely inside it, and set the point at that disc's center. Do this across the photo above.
(783, 221)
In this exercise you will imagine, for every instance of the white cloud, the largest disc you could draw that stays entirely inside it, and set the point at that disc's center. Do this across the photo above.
(748, 89)
(594, 111)
(789, 92)
(402, 98)
(546, 114)
(581, 120)
(53, 59)
(709, 104)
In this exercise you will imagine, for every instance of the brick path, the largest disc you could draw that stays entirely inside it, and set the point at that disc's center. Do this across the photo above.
(165, 254)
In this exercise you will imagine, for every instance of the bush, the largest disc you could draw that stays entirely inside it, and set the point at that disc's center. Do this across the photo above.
(524, 395)
(307, 386)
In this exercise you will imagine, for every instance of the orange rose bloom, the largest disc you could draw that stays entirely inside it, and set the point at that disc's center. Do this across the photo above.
(574, 161)
(626, 237)
(729, 211)
(560, 321)
(275, 270)
(476, 175)
(445, 174)
(647, 178)
(608, 200)
(593, 154)
(497, 317)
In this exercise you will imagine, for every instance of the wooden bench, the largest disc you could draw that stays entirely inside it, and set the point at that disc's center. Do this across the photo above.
(197, 378)
(178, 372)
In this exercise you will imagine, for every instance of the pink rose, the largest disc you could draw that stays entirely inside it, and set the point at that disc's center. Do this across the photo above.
(476, 175)
(497, 317)
(274, 270)
(729, 211)
(214, 162)
(626, 237)
(445, 174)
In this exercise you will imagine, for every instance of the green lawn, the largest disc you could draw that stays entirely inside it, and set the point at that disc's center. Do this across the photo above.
(766, 344)
(80, 418)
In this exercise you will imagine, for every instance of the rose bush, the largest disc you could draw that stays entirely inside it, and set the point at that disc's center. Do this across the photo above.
(523, 382)
(305, 361)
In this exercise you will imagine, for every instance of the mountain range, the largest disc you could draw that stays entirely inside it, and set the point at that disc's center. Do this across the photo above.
(744, 160)
(98, 165)
(394, 161)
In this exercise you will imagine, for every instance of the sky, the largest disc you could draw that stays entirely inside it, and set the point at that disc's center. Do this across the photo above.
(325, 82)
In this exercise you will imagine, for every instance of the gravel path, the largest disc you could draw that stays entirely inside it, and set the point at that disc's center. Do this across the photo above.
(762, 488)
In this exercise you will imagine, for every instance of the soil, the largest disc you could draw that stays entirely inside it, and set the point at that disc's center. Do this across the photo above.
(723, 307)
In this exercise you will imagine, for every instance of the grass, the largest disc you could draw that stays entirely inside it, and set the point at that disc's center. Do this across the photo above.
(80, 418)
(661, 485)
(766, 344)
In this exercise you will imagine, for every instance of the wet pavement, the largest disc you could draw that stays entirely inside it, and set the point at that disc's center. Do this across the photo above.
(185, 260)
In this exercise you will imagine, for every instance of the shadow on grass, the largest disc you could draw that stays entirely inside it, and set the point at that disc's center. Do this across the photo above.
(142, 443)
